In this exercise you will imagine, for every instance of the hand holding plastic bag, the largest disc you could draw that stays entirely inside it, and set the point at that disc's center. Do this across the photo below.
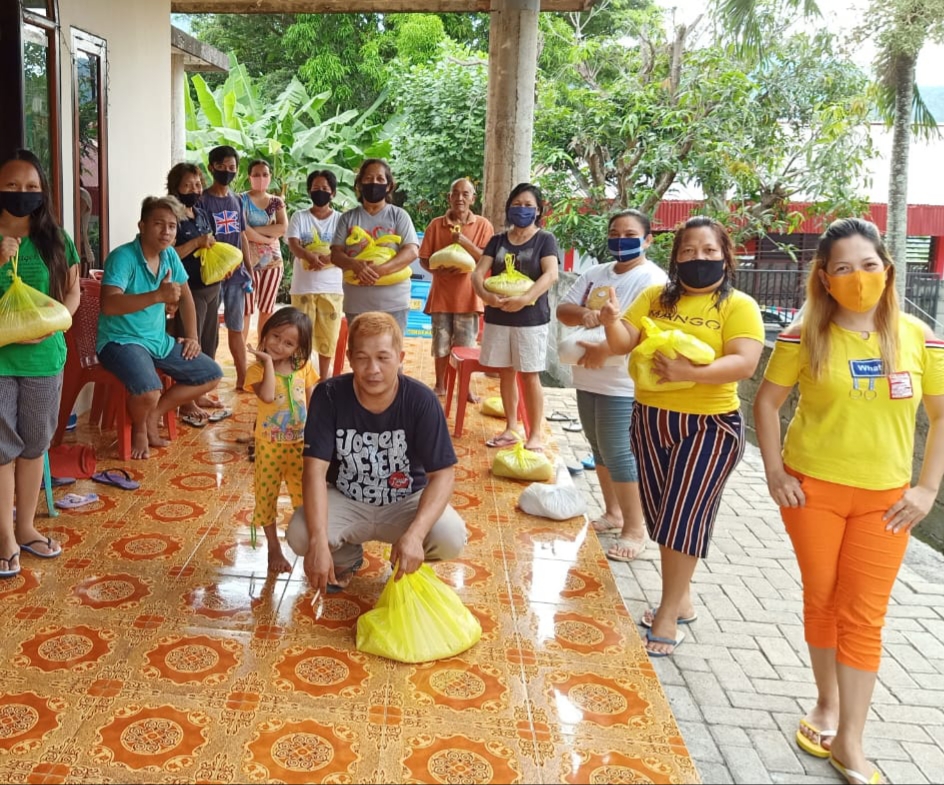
(317, 246)
(27, 314)
(452, 257)
(671, 343)
(376, 253)
(417, 619)
(511, 283)
(218, 261)
(519, 463)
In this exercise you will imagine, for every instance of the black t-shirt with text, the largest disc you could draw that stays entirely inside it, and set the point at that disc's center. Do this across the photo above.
(527, 258)
(380, 458)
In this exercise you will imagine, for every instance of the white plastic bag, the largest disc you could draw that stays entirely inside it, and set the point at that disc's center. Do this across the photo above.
(570, 353)
(559, 502)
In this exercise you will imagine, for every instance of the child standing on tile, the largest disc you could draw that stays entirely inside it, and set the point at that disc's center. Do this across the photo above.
(282, 379)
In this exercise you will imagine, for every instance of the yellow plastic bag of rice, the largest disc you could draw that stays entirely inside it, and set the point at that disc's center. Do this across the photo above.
(27, 314)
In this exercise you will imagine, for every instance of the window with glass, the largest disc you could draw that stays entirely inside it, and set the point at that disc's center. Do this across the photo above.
(90, 148)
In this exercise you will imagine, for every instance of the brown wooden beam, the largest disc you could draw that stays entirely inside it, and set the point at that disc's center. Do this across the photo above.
(353, 6)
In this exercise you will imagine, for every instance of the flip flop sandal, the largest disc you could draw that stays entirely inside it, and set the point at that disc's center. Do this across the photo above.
(852, 774)
(589, 463)
(117, 477)
(193, 420)
(559, 417)
(644, 622)
(57, 482)
(574, 470)
(503, 441)
(70, 501)
(47, 541)
(815, 746)
(656, 639)
(626, 545)
(219, 415)
(8, 573)
(573, 427)
(607, 528)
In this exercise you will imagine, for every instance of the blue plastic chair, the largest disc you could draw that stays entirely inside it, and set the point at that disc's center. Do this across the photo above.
(47, 481)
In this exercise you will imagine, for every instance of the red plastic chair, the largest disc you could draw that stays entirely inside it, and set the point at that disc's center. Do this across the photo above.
(341, 349)
(110, 399)
(463, 362)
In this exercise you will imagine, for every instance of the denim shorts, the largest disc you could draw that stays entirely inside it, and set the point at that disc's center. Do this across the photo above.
(137, 368)
(605, 420)
(234, 303)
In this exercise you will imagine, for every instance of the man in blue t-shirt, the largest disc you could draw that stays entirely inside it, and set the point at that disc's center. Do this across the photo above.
(229, 224)
(140, 279)
(379, 465)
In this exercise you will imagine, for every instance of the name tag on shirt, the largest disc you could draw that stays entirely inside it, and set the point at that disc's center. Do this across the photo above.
(899, 386)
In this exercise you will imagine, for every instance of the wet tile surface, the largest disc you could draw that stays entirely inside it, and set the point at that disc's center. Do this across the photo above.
(157, 649)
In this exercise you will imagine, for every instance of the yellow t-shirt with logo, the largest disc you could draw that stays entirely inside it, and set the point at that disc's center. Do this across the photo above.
(283, 420)
(738, 316)
(855, 425)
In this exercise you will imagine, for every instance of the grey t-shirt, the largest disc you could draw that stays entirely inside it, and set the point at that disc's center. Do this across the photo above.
(390, 220)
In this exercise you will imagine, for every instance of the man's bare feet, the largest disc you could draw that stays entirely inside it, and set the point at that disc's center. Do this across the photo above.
(277, 560)
(439, 390)
(534, 446)
(153, 433)
(139, 443)
(209, 402)
(473, 398)
(193, 410)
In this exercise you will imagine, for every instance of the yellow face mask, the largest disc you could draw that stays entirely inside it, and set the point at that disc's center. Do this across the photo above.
(858, 291)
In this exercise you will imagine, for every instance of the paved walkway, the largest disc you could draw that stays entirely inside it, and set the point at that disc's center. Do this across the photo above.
(741, 681)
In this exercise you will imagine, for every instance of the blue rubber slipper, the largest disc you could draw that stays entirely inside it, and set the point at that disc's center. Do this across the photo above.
(656, 639)
(644, 622)
(589, 463)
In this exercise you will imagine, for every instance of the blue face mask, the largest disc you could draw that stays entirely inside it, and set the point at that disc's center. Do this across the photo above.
(522, 216)
(625, 249)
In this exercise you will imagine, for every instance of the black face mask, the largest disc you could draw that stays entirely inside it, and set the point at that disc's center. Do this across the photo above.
(374, 192)
(188, 200)
(223, 177)
(320, 198)
(701, 273)
(19, 204)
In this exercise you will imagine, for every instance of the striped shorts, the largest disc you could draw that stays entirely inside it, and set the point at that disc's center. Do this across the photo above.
(29, 412)
(684, 462)
(265, 288)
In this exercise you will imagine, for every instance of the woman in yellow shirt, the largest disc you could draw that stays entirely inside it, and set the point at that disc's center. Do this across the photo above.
(843, 480)
(688, 441)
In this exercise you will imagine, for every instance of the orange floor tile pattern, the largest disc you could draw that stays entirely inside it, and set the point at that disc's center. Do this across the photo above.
(156, 649)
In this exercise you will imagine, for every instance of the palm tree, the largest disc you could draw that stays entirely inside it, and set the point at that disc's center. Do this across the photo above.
(902, 28)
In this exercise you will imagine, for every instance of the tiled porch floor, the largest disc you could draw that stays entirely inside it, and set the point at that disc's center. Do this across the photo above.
(156, 648)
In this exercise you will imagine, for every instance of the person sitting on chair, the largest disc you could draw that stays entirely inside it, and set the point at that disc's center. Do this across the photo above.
(379, 465)
(141, 277)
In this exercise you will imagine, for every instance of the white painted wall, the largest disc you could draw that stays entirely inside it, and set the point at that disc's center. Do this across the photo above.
(138, 82)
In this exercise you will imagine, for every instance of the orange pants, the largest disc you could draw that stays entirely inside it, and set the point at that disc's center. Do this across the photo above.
(849, 564)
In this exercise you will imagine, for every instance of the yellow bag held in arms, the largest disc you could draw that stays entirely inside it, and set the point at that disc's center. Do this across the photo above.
(318, 246)
(510, 283)
(453, 256)
(218, 261)
(493, 407)
(375, 252)
(671, 343)
(521, 464)
(26, 313)
(417, 619)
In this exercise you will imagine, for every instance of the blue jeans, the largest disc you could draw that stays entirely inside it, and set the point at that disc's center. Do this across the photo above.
(137, 368)
(605, 420)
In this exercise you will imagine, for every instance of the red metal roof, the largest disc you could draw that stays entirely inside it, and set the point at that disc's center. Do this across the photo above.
(923, 219)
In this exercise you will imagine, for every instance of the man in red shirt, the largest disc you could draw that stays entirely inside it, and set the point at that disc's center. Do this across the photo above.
(452, 303)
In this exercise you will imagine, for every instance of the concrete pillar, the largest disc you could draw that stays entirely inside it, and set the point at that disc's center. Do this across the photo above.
(509, 117)
(178, 114)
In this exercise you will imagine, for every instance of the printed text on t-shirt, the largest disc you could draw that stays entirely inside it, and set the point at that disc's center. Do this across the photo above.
(373, 467)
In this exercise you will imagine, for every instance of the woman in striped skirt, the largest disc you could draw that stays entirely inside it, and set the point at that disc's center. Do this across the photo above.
(688, 441)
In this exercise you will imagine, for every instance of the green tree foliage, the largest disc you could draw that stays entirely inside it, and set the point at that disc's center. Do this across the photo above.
(629, 113)
(346, 54)
(441, 135)
(293, 133)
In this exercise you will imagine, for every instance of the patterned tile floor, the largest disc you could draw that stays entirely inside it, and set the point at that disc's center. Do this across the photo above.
(157, 649)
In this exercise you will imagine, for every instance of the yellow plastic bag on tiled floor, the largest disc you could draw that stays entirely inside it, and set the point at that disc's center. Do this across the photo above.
(521, 464)
(493, 407)
(417, 619)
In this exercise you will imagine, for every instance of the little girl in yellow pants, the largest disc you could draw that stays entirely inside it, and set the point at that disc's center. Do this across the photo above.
(282, 379)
